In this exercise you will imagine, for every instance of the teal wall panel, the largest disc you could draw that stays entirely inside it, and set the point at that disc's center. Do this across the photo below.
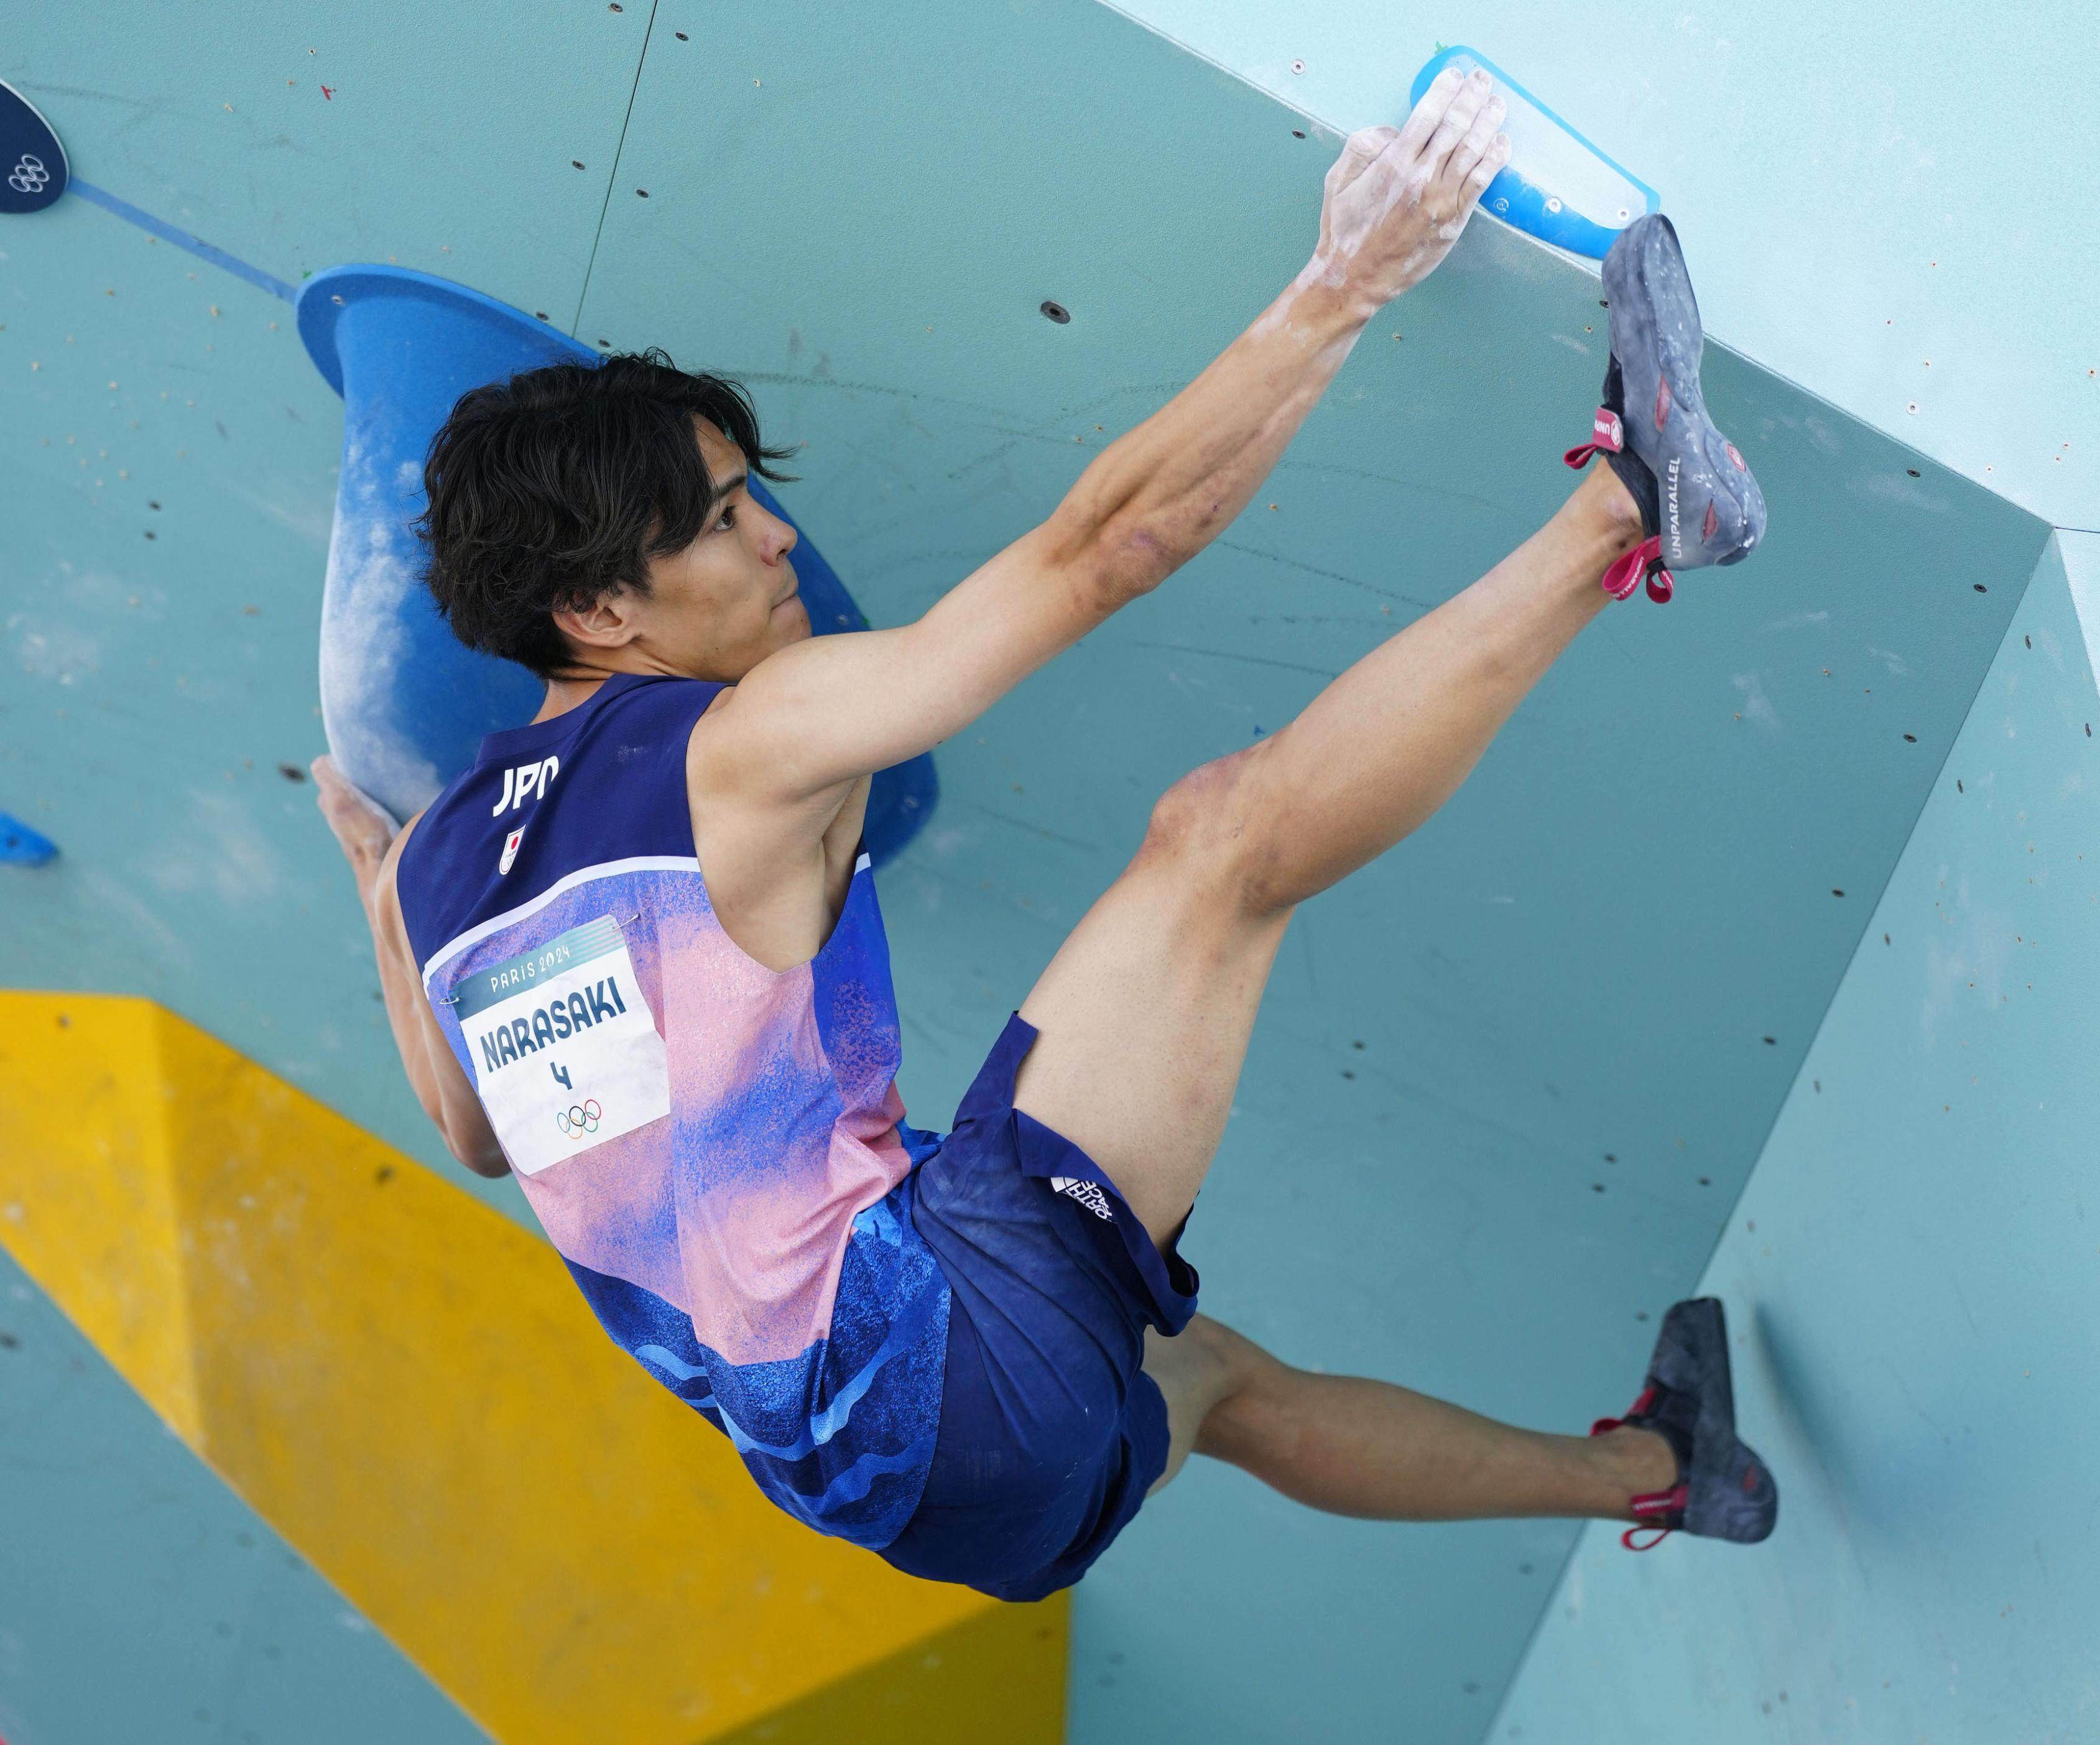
(860, 211)
(172, 461)
(1841, 174)
(449, 141)
(171, 458)
(1914, 1277)
(140, 1600)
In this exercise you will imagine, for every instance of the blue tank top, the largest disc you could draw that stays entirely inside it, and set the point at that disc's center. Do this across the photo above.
(716, 1149)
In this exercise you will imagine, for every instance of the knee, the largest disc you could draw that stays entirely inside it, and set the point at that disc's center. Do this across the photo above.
(1196, 1372)
(1238, 1378)
(1216, 826)
(1195, 1368)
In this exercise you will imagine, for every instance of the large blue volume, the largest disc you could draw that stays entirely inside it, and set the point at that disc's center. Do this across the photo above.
(405, 703)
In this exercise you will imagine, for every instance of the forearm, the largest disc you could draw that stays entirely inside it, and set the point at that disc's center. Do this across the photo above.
(434, 1075)
(1395, 202)
(403, 997)
(837, 707)
(1159, 494)
(834, 708)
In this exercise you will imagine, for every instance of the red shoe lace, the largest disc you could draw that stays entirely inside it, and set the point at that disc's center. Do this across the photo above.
(1653, 1509)
(1653, 1513)
(1608, 436)
(1644, 560)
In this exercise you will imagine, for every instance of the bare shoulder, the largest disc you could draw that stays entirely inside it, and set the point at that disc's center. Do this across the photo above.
(727, 761)
(710, 750)
(770, 865)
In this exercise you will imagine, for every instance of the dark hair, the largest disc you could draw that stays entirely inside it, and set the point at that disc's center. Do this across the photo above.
(554, 489)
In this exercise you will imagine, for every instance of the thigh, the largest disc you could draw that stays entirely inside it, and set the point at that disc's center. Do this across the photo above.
(1145, 1015)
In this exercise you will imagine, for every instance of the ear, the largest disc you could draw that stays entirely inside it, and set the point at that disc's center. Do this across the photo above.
(611, 622)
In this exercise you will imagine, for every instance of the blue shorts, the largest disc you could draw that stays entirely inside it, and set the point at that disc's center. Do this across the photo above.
(1051, 1432)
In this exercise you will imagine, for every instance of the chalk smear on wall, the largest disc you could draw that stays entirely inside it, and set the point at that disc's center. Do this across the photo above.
(373, 568)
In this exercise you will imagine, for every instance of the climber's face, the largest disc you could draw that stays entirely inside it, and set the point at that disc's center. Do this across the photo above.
(728, 600)
(714, 610)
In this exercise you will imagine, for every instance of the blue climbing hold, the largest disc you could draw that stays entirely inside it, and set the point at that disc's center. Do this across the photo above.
(21, 846)
(1557, 186)
(405, 703)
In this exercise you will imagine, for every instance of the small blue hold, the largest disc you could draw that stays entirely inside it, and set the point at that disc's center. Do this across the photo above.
(21, 846)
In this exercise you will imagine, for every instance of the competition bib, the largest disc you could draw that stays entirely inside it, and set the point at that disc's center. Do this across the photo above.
(566, 1055)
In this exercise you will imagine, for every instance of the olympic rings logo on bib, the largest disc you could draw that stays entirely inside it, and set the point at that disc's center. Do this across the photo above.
(576, 1120)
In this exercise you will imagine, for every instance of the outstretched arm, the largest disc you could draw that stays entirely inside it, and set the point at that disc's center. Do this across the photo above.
(373, 847)
(828, 710)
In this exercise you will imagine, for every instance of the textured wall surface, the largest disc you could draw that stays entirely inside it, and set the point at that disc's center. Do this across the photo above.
(139, 1599)
(1881, 200)
(1914, 1275)
(1509, 1081)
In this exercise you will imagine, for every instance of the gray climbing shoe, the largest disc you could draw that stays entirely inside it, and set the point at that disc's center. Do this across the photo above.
(1723, 1489)
(1699, 502)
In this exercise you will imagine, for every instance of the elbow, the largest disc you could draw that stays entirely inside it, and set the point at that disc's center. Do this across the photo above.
(472, 1143)
(1116, 560)
(482, 1155)
(1114, 548)
(1137, 557)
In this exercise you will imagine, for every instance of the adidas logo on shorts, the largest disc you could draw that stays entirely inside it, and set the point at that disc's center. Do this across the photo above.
(1088, 1194)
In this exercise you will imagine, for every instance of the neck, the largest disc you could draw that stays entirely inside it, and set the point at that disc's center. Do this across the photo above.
(587, 669)
(567, 693)
(579, 684)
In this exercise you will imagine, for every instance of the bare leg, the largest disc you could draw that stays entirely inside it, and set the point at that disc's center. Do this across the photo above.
(1145, 1011)
(1355, 1446)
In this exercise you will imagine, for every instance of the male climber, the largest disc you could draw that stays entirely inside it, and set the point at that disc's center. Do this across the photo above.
(633, 953)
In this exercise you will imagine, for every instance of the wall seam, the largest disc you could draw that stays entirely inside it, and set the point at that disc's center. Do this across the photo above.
(613, 175)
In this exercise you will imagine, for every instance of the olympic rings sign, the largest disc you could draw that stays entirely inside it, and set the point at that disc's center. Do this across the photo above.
(33, 163)
(579, 1119)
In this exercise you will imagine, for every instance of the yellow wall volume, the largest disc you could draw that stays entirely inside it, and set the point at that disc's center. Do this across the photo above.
(410, 1390)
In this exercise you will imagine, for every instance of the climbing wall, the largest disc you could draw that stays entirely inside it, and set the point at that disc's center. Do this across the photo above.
(1914, 1274)
(1509, 1082)
(140, 1599)
(1417, 1182)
